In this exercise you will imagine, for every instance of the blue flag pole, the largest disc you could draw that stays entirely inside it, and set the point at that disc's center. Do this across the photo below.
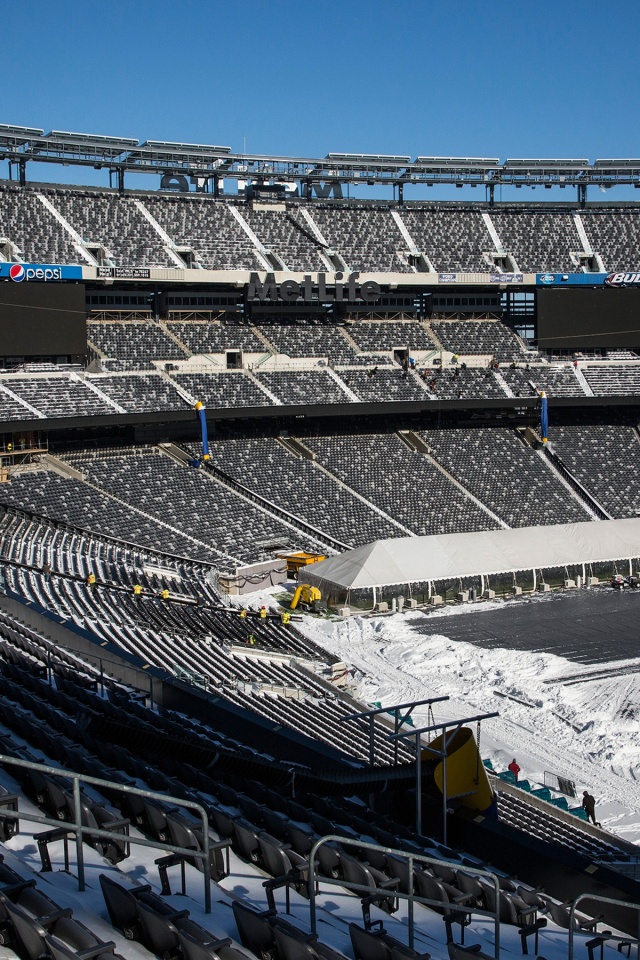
(203, 428)
(544, 417)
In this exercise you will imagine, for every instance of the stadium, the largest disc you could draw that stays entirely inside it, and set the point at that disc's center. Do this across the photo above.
(243, 387)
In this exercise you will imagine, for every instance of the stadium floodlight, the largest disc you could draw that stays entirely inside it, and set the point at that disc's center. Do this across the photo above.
(364, 158)
(82, 145)
(457, 161)
(623, 164)
(538, 164)
(12, 134)
(63, 136)
(166, 146)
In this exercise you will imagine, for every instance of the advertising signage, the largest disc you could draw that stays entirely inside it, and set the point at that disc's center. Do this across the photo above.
(39, 272)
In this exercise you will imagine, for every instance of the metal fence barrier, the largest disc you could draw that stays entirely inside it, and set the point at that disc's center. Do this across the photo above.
(412, 898)
(80, 831)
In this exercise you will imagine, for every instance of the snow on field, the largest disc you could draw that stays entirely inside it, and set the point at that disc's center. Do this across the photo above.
(586, 731)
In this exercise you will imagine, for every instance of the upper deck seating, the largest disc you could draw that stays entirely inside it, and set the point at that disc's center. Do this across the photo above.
(487, 337)
(59, 396)
(136, 392)
(228, 389)
(305, 340)
(137, 344)
(453, 239)
(288, 237)
(457, 384)
(39, 236)
(216, 337)
(540, 240)
(614, 233)
(557, 380)
(606, 460)
(504, 474)
(406, 485)
(209, 228)
(301, 488)
(390, 335)
(367, 239)
(303, 386)
(613, 380)
(115, 222)
(383, 385)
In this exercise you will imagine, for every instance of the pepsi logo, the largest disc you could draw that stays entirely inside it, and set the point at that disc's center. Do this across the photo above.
(17, 272)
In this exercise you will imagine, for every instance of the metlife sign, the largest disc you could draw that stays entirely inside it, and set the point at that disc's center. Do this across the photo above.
(39, 272)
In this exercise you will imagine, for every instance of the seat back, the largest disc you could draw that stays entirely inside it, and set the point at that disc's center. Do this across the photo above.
(432, 889)
(246, 840)
(158, 932)
(181, 831)
(471, 885)
(58, 950)
(274, 856)
(559, 914)
(155, 815)
(355, 872)
(399, 867)
(114, 850)
(120, 903)
(194, 949)
(368, 945)
(301, 838)
(291, 947)
(27, 933)
(254, 930)
(457, 952)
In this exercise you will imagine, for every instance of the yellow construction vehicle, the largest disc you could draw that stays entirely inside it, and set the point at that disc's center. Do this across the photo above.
(297, 561)
(308, 597)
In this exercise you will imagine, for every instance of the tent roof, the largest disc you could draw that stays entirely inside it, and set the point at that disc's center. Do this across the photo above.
(447, 556)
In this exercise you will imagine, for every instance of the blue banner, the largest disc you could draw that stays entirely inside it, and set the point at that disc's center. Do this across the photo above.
(544, 419)
(572, 279)
(38, 272)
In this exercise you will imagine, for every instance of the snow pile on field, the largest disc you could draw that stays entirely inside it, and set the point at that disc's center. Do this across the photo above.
(586, 731)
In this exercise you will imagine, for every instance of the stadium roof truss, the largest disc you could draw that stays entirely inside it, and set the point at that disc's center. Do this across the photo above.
(20, 145)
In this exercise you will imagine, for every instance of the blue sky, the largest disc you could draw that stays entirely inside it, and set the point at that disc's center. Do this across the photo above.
(462, 78)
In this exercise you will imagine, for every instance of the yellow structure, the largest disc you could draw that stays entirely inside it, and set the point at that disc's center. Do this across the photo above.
(465, 771)
(297, 561)
(306, 594)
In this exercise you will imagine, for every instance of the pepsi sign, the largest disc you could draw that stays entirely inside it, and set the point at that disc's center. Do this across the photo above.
(39, 272)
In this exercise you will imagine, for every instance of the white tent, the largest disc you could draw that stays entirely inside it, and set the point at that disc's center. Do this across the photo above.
(488, 552)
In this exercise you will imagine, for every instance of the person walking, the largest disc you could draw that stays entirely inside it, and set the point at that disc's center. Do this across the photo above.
(91, 581)
(589, 806)
(514, 768)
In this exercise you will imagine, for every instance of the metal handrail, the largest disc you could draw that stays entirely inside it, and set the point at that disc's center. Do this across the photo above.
(412, 898)
(598, 899)
(80, 831)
